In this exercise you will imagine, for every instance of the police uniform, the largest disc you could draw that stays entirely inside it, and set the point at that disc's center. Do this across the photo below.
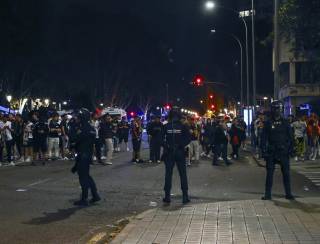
(176, 138)
(277, 141)
(84, 148)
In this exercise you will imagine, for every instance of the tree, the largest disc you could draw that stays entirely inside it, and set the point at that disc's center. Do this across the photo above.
(299, 22)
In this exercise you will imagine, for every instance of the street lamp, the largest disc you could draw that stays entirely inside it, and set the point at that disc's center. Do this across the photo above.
(247, 45)
(9, 98)
(46, 101)
(237, 39)
(210, 5)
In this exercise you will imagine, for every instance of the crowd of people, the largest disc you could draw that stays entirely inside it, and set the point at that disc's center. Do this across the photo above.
(39, 137)
(209, 138)
(306, 134)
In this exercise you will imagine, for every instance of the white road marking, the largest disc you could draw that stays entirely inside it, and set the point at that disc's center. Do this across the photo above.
(39, 182)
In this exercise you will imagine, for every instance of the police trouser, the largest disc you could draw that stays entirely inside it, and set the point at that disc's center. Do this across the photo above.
(155, 147)
(176, 157)
(285, 169)
(86, 181)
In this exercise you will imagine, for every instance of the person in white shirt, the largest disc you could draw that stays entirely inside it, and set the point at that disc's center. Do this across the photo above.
(95, 123)
(8, 137)
(28, 140)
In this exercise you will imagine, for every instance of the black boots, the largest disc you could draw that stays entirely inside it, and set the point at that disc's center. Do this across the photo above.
(167, 198)
(185, 198)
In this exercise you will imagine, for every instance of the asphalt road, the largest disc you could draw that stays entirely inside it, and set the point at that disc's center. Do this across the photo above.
(36, 201)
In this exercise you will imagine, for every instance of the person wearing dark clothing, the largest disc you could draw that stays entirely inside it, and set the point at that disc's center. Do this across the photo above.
(85, 139)
(106, 134)
(155, 132)
(40, 136)
(73, 127)
(221, 143)
(136, 134)
(207, 135)
(235, 135)
(123, 132)
(18, 133)
(176, 138)
(277, 141)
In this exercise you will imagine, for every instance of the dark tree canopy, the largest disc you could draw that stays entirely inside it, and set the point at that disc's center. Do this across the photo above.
(300, 24)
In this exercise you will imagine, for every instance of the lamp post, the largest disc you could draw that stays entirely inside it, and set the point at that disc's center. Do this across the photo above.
(241, 59)
(276, 50)
(254, 76)
(210, 5)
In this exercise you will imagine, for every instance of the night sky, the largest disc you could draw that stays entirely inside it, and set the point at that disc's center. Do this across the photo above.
(73, 49)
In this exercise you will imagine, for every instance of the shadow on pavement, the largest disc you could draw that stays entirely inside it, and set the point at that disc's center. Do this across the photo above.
(305, 207)
(48, 218)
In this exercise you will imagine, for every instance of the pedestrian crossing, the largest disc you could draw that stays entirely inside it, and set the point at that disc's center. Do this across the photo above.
(310, 169)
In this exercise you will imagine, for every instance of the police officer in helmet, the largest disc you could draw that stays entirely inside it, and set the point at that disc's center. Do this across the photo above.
(176, 138)
(85, 139)
(277, 142)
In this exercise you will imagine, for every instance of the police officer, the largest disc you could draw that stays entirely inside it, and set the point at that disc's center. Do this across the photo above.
(277, 141)
(176, 138)
(85, 139)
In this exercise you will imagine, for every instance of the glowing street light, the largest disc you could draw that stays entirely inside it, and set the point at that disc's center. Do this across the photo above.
(65, 103)
(9, 98)
(265, 98)
(209, 5)
(46, 101)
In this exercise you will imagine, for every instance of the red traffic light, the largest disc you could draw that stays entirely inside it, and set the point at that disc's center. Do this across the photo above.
(211, 96)
(198, 80)
(132, 114)
(167, 106)
(212, 106)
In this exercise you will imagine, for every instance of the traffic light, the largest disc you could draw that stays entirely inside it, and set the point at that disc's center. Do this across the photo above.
(167, 106)
(198, 80)
(211, 96)
(212, 106)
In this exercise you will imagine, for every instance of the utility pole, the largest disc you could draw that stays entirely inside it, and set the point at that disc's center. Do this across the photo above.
(276, 50)
(254, 81)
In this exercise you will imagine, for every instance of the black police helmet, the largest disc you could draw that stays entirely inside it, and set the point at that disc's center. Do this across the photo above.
(277, 107)
(84, 115)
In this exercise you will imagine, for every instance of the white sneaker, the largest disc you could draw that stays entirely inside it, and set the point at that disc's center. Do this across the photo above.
(65, 158)
(94, 158)
(296, 158)
(108, 163)
(313, 159)
(128, 149)
(28, 160)
(202, 154)
(12, 164)
(188, 164)
(150, 162)
(159, 162)
(220, 159)
(103, 157)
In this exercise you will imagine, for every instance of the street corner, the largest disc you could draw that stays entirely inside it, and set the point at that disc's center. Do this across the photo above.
(248, 221)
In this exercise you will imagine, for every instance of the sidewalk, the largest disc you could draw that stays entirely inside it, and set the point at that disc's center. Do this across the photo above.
(249, 221)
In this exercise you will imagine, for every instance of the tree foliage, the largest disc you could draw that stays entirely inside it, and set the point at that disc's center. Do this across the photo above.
(299, 22)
